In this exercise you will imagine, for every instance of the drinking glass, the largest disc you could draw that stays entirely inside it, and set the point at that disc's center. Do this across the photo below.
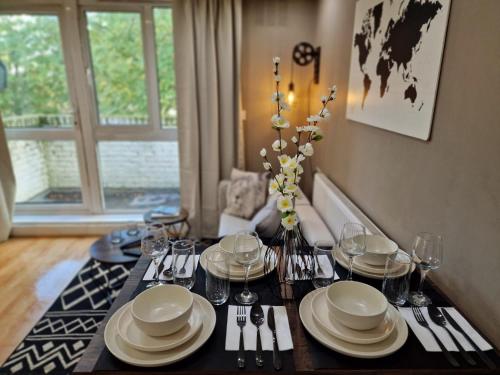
(324, 264)
(184, 263)
(427, 253)
(246, 253)
(353, 242)
(397, 274)
(154, 244)
(217, 277)
(116, 237)
(133, 229)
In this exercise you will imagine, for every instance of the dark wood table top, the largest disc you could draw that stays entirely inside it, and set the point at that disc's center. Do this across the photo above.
(303, 350)
(104, 251)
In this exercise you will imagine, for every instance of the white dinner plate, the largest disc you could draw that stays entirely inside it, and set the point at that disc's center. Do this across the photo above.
(154, 359)
(377, 350)
(367, 271)
(137, 339)
(326, 320)
(239, 277)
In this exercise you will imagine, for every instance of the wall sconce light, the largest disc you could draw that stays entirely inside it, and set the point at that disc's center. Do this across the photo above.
(303, 54)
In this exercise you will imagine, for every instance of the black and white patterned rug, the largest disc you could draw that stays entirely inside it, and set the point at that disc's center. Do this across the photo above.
(57, 342)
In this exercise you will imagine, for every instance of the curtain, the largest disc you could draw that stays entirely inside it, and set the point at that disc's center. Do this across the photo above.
(7, 187)
(207, 41)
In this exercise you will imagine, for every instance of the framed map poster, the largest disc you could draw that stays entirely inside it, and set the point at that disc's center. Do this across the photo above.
(395, 62)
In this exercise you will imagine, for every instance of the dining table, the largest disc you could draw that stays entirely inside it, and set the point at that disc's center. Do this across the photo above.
(307, 356)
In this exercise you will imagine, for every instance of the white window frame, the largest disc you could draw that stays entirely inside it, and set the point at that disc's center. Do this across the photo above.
(87, 130)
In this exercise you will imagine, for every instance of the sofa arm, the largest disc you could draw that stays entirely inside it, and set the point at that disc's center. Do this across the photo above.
(222, 194)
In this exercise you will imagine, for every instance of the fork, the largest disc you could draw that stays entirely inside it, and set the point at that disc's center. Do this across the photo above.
(241, 321)
(320, 270)
(421, 320)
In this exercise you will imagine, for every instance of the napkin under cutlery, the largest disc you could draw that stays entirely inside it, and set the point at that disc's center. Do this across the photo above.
(429, 343)
(324, 262)
(150, 272)
(250, 331)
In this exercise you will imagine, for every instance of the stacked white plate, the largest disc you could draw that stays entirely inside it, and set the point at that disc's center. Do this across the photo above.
(360, 267)
(126, 341)
(236, 271)
(380, 341)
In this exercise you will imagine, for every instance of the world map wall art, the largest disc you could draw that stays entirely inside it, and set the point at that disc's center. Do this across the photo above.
(395, 62)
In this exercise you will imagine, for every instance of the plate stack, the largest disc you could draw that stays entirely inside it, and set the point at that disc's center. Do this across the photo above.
(236, 271)
(354, 319)
(372, 263)
(162, 325)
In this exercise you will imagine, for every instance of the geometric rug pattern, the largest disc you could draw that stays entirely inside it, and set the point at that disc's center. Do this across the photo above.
(58, 340)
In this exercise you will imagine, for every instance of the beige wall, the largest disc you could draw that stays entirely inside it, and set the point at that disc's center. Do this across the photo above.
(449, 185)
(272, 28)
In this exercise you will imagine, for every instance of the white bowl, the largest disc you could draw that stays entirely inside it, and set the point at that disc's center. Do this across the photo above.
(162, 310)
(378, 248)
(356, 305)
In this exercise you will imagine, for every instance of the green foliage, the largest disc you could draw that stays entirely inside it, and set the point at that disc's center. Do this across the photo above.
(30, 47)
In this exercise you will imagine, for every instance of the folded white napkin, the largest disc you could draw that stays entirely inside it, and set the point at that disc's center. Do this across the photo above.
(150, 273)
(283, 334)
(428, 341)
(324, 262)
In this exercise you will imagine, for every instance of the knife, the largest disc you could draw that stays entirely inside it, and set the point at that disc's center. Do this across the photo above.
(272, 326)
(481, 354)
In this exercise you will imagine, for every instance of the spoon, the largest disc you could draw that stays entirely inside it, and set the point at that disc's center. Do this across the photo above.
(257, 319)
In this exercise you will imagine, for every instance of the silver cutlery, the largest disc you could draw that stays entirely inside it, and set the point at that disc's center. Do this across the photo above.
(182, 271)
(320, 270)
(438, 318)
(168, 272)
(241, 321)
(272, 326)
(457, 327)
(421, 320)
(257, 319)
(298, 271)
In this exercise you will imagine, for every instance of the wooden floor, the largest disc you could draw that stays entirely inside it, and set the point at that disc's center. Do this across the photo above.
(33, 272)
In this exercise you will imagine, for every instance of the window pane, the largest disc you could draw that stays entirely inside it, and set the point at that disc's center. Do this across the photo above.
(118, 67)
(46, 172)
(37, 92)
(165, 66)
(139, 175)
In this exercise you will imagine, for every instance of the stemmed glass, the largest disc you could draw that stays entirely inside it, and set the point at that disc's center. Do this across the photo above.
(154, 244)
(353, 242)
(427, 253)
(246, 253)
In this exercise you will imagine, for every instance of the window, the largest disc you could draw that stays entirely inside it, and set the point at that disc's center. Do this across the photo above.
(90, 107)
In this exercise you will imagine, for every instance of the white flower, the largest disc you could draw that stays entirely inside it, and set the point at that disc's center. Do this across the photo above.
(300, 170)
(307, 149)
(263, 152)
(333, 90)
(276, 145)
(289, 173)
(280, 122)
(277, 96)
(314, 118)
(279, 178)
(267, 166)
(299, 129)
(292, 163)
(294, 139)
(324, 99)
(311, 128)
(277, 77)
(276, 60)
(284, 204)
(284, 105)
(300, 158)
(290, 188)
(289, 221)
(283, 159)
(273, 187)
(325, 113)
(317, 135)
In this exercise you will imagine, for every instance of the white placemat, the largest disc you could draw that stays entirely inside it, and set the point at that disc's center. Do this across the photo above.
(283, 334)
(150, 272)
(428, 341)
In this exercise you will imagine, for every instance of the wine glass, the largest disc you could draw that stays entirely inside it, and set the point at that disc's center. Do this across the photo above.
(154, 244)
(246, 253)
(353, 242)
(427, 253)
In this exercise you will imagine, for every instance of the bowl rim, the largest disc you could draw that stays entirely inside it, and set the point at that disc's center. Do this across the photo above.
(232, 251)
(178, 287)
(388, 240)
(363, 285)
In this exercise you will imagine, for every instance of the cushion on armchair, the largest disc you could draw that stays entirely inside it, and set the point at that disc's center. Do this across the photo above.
(246, 193)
